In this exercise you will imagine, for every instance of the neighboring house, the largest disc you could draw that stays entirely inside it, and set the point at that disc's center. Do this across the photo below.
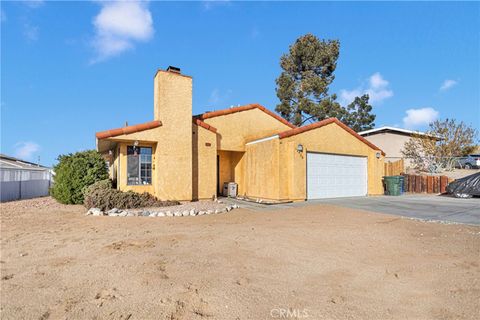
(184, 157)
(23, 179)
(392, 140)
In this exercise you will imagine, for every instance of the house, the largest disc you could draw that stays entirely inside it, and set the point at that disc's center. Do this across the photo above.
(20, 179)
(391, 140)
(184, 157)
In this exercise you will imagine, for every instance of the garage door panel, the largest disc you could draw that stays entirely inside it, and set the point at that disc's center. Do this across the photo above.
(332, 176)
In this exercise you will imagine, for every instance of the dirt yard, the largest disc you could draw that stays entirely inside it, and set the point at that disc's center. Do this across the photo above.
(315, 262)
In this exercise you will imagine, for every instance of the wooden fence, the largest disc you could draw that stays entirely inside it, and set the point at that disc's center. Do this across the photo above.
(395, 168)
(425, 184)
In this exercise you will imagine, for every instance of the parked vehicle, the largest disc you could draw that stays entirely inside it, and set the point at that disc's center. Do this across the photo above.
(469, 162)
(465, 187)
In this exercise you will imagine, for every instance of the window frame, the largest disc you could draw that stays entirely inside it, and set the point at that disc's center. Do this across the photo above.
(141, 177)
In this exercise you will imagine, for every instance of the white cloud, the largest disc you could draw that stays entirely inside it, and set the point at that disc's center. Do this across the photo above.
(30, 32)
(25, 150)
(119, 25)
(377, 88)
(216, 97)
(419, 117)
(448, 84)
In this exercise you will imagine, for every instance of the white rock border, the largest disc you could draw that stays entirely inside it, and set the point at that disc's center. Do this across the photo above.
(146, 213)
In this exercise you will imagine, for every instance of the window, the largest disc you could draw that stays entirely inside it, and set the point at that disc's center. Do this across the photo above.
(139, 165)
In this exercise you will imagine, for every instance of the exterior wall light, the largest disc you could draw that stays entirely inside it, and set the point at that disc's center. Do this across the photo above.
(378, 154)
(300, 148)
(135, 143)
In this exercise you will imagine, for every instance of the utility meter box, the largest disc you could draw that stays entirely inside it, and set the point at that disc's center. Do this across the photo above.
(232, 189)
(229, 189)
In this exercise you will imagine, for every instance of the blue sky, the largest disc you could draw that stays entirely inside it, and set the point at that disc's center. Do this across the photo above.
(71, 69)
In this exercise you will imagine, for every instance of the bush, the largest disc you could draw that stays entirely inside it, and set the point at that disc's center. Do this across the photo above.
(75, 172)
(101, 195)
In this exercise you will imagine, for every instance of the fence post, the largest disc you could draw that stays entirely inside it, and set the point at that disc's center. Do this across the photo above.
(429, 184)
(443, 184)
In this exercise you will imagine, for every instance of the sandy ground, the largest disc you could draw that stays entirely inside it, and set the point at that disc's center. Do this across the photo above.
(319, 262)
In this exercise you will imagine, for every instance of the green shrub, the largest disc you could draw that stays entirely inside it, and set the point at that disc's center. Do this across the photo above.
(75, 172)
(101, 195)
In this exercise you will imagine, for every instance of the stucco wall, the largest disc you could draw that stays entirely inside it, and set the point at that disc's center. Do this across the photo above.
(275, 170)
(390, 143)
(262, 170)
(236, 129)
(172, 141)
(204, 146)
(333, 139)
(173, 107)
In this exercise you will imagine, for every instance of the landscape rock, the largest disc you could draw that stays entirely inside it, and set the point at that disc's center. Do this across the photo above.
(113, 211)
(95, 212)
(194, 208)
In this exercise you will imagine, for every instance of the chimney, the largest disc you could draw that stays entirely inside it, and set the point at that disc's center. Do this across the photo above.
(172, 96)
(173, 69)
(173, 106)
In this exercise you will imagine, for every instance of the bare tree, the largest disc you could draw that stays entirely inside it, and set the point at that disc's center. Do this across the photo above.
(441, 146)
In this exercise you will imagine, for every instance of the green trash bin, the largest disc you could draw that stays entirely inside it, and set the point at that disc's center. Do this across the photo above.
(393, 185)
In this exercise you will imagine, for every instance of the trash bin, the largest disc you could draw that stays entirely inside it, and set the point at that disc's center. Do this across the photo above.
(393, 185)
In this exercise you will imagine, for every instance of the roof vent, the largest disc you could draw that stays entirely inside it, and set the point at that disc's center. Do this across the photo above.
(173, 69)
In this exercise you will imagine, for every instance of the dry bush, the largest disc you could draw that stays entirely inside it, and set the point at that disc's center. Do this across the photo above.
(101, 195)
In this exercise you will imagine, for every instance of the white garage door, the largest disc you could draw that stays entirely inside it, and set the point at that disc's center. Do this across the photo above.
(333, 176)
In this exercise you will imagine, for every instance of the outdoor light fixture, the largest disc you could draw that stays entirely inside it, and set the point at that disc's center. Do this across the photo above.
(135, 143)
(378, 154)
(300, 148)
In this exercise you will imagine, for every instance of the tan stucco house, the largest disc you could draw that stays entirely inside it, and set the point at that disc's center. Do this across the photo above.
(392, 140)
(178, 156)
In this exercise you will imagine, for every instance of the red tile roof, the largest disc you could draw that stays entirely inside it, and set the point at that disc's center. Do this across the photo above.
(128, 129)
(202, 124)
(224, 112)
(322, 123)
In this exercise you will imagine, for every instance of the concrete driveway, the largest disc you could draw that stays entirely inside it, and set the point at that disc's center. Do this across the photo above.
(425, 207)
(440, 208)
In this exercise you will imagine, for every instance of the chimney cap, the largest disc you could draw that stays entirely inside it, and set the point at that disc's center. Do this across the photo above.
(173, 69)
